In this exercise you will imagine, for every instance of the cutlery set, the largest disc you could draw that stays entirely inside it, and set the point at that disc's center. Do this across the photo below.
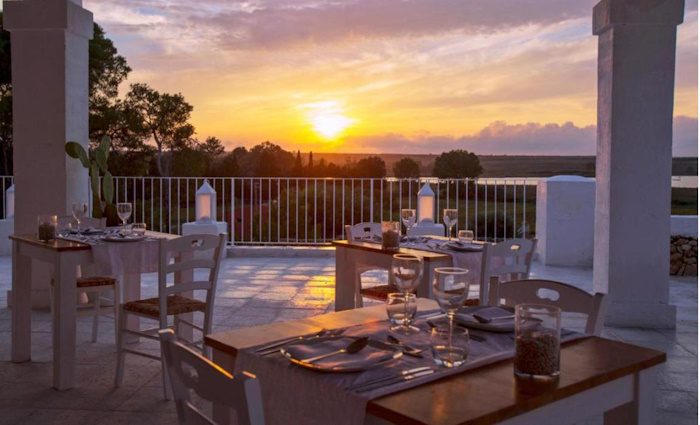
(274, 347)
(384, 381)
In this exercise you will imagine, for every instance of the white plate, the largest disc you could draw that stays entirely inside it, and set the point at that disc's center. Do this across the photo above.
(116, 238)
(321, 367)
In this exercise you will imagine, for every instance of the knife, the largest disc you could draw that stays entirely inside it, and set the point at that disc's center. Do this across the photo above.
(403, 373)
(395, 380)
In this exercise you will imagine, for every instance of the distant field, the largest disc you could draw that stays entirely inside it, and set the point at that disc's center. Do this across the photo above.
(510, 166)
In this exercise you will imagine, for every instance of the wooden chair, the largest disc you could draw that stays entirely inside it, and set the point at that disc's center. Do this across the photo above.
(191, 372)
(181, 255)
(568, 298)
(376, 292)
(91, 289)
(509, 260)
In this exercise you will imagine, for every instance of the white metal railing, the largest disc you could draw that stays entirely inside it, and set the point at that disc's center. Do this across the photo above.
(314, 211)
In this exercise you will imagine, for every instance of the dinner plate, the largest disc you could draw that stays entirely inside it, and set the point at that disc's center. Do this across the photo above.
(378, 353)
(117, 238)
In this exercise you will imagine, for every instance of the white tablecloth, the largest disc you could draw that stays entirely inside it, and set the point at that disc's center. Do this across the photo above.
(119, 258)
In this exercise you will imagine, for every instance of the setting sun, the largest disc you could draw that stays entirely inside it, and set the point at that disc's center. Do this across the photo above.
(327, 118)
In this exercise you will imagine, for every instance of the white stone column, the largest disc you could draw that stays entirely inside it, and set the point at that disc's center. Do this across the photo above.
(50, 105)
(636, 63)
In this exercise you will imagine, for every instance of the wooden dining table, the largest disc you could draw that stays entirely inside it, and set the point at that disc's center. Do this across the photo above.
(65, 257)
(355, 257)
(598, 376)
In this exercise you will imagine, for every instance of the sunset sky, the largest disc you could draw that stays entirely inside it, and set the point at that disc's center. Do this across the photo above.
(420, 76)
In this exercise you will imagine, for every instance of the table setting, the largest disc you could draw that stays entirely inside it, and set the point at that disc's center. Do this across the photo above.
(113, 249)
(330, 375)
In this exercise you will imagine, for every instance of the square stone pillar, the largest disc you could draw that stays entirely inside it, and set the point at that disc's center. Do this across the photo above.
(50, 106)
(636, 64)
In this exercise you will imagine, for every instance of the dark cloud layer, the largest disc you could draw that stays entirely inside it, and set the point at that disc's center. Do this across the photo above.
(501, 138)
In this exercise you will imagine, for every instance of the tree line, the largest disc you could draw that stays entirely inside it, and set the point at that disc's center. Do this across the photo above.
(152, 135)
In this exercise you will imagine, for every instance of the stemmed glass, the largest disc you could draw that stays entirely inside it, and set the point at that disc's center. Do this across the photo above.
(449, 217)
(450, 288)
(79, 212)
(407, 271)
(124, 212)
(408, 218)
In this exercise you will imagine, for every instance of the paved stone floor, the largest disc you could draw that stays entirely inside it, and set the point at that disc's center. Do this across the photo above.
(261, 290)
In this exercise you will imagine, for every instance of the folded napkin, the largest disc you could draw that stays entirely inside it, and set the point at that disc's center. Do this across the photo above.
(369, 356)
(464, 246)
(465, 318)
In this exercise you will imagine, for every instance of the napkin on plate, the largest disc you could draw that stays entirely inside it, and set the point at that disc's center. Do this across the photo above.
(464, 317)
(369, 356)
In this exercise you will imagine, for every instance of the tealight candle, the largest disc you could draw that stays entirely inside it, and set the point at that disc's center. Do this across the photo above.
(47, 227)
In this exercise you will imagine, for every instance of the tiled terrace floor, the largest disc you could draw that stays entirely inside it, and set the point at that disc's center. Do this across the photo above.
(261, 290)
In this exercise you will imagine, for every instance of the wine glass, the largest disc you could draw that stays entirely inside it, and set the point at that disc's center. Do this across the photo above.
(451, 288)
(407, 271)
(124, 212)
(79, 212)
(449, 217)
(408, 218)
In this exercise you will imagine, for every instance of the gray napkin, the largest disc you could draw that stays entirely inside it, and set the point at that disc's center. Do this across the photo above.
(369, 356)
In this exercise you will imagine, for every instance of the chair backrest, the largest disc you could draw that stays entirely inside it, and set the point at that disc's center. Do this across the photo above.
(362, 230)
(568, 298)
(190, 371)
(187, 254)
(95, 223)
(510, 259)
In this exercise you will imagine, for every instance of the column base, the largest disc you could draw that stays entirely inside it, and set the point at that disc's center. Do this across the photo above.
(641, 315)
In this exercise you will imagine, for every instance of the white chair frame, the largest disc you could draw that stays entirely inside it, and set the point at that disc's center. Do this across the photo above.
(562, 295)
(186, 253)
(90, 299)
(190, 371)
(517, 259)
(359, 230)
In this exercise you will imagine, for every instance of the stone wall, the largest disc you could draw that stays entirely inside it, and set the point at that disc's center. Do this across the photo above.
(684, 256)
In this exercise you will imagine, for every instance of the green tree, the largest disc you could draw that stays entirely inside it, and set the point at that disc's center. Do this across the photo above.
(212, 147)
(107, 68)
(268, 160)
(406, 168)
(372, 166)
(165, 118)
(226, 166)
(457, 164)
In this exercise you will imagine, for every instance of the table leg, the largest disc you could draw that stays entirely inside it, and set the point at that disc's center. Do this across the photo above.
(21, 306)
(184, 330)
(345, 280)
(64, 315)
(222, 414)
(642, 409)
(131, 291)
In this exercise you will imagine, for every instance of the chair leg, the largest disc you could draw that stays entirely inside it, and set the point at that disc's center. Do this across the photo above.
(95, 316)
(119, 376)
(166, 379)
(359, 303)
(117, 314)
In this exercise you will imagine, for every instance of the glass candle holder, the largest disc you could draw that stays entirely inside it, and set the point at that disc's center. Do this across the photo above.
(449, 345)
(537, 342)
(46, 227)
(390, 235)
(139, 229)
